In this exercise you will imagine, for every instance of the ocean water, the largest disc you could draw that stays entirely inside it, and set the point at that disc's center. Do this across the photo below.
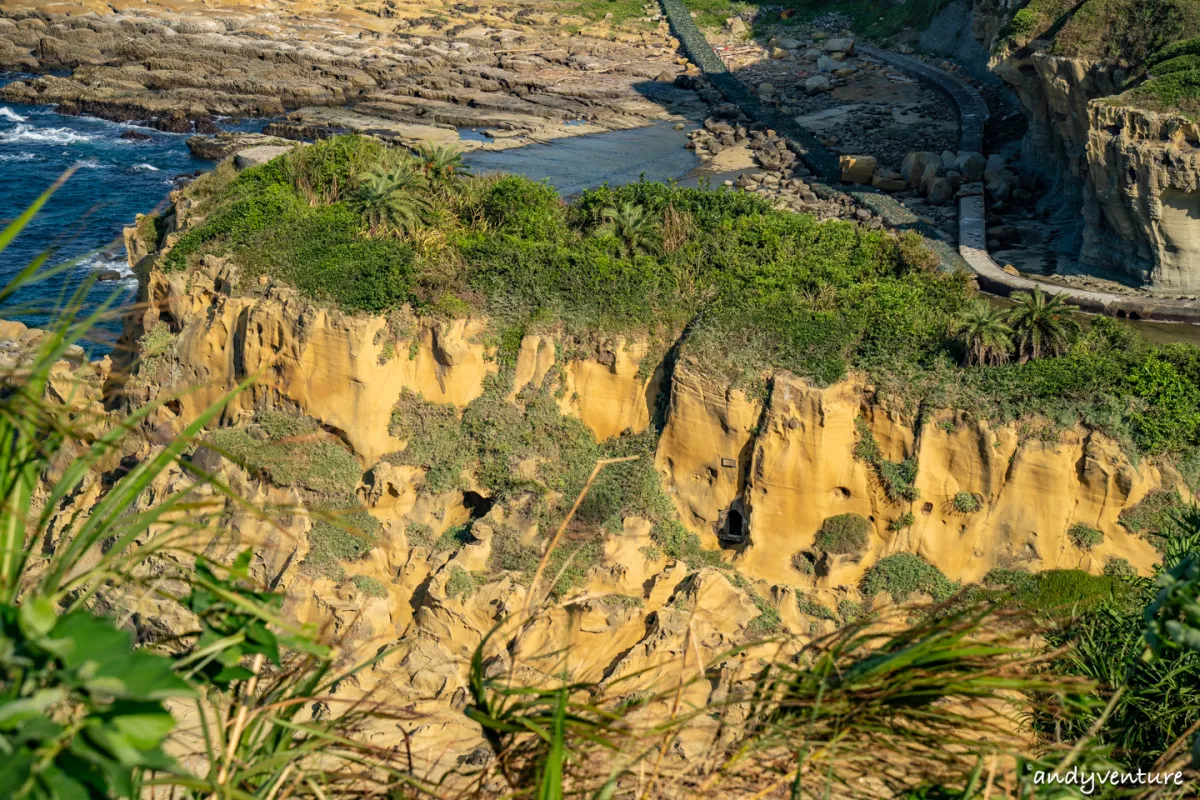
(115, 179)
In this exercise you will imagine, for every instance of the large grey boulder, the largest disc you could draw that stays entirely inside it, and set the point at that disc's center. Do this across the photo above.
(257, 156)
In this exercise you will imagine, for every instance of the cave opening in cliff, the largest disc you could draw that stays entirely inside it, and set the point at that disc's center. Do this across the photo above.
(733, 530)
(476, 504)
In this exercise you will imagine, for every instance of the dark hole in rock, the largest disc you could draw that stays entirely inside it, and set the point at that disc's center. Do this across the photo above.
(733, 528)
(927, 509)
(477, 504)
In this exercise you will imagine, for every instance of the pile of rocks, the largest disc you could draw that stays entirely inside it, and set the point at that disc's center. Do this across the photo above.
(940, 178)
(866, 170)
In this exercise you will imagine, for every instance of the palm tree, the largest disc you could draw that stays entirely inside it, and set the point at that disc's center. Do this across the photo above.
(443, 167)
(630, 224)
(391, 200)
(1042, 324)
(987, 336)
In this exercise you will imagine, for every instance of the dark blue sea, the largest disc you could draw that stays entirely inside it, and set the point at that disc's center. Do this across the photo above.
(115, 179)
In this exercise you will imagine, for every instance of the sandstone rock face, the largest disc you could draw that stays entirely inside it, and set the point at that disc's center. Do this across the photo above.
(1127, 177)
(800, 468)
(1143, 196)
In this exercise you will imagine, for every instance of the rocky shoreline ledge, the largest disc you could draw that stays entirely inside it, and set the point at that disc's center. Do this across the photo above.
(514, 75)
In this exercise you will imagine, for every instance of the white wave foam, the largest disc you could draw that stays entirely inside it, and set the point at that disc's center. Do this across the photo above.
(143, 168)
(30, 134)
(18, 156)
(98, 262)
(90, 163)
(10, 115)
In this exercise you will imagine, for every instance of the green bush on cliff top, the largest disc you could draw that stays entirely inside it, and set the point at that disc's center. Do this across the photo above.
(757, 291)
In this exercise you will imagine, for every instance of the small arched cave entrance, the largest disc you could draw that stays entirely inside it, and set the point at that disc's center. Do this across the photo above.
(733, 528)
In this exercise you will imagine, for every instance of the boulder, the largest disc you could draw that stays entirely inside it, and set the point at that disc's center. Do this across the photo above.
(108, 275)
(914, 165)
(812, 52)
(778, 53)
(940, 191)
(845, 72)
(838, 44)
(948, 159)
(1011, 270)
(857, 169)
(826, 64)
(887, 180)
(766, 91)
(817, 84)
(735, 26)
(971, 165)
(932, 169)
(257, 156)
(838, 56)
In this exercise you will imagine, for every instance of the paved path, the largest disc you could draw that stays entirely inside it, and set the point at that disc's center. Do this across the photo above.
(972, 231)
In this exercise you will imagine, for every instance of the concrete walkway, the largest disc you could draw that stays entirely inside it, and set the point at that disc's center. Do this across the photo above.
(972, 227)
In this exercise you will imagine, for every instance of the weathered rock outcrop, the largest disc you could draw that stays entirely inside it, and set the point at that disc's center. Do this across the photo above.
(407, 76)
(1125, 177)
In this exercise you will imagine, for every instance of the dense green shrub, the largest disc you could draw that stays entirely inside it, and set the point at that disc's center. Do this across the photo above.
(1155, 517)
(1058, 591)
(461, 583)
(371, 587)
(802, 564)
(966, 502)
(809, 606)
(524, 209)
(1085, 537)
(342, 533)
(676, 541)
(843, 534)
(905, 520)
(291, 452)
(904, 574)
(419, 535)
(897, 479)
(1117, 567)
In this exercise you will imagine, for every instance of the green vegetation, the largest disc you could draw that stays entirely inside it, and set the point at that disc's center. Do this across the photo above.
(1156, 518)
(809, 606)
(768, 620)
(89, 695)
(1172, 80)
(1058, 591)
(905, 520)
(154, 348)
(1117, 567)
(461, 583)
(802, 564)
(1085, 537)
(419, 535)
(895, 478)
(874, 19)
(676, 541)
(843, 534)
(757, 290)
(1154, 42)
(340, 533)
(371, 587)
(966, 502)
(904, 574)
(622, 601)
(291, 451)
